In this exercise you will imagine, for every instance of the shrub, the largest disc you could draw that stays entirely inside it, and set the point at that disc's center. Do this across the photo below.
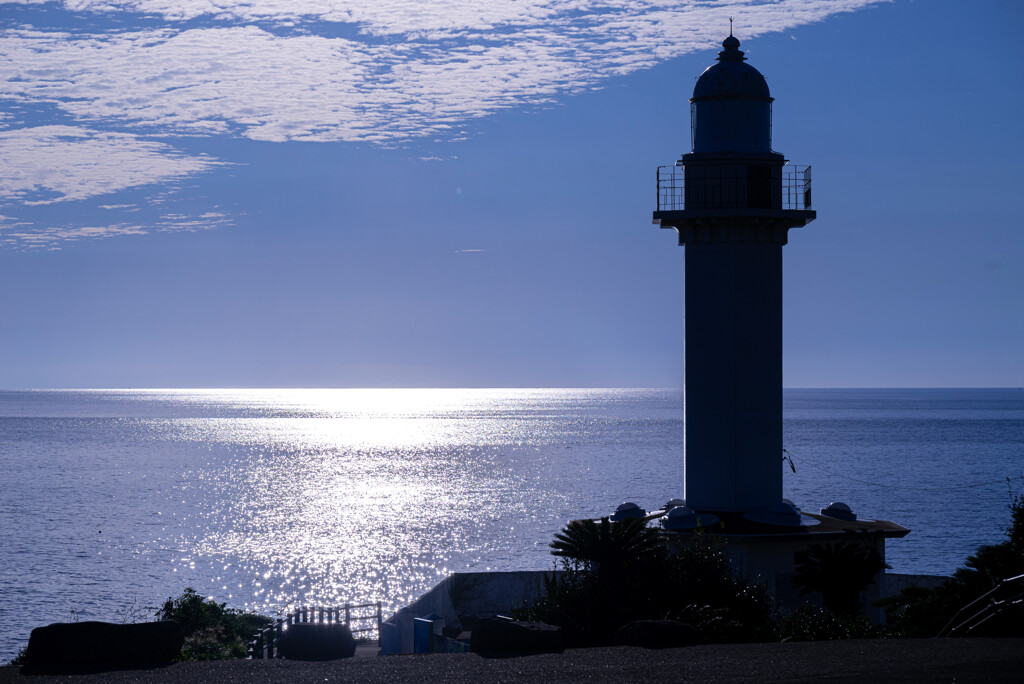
(922, 612)
(614, 573)
(19, 659)
(212, 630)
(839, 572)
(699, 584)
(808, 623)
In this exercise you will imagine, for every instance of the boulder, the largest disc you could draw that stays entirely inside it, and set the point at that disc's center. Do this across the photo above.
(103, 645)
(499, 637)
(657, 634)
(312, 641)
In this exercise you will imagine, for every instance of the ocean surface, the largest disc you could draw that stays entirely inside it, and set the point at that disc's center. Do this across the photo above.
(112, 501)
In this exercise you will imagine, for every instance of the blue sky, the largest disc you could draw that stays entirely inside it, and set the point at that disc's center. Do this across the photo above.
(402, 193)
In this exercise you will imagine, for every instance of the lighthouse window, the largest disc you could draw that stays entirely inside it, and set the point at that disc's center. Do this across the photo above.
(693, 125)
(759, 186)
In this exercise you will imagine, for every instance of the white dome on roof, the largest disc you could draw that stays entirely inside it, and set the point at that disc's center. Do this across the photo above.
(627, 510)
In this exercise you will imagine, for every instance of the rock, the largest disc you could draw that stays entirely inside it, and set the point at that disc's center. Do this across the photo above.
(498, 637)
(657, 634)
(103, 645)
(311, 641)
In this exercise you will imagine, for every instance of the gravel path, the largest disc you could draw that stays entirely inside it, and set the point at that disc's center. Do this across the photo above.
(902, 660)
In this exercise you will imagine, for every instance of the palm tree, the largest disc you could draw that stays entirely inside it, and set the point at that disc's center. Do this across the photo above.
(609, 548)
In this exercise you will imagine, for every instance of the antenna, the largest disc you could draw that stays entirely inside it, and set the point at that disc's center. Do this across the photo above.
(730, 27)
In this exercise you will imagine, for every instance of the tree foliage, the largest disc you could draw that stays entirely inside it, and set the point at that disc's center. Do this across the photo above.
(20, 659)
(923, 612)
(615, 572)
(840, 572)
(212, 630)
(608, 548)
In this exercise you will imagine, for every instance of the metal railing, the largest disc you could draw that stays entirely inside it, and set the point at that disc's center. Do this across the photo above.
(265, 642)
(1005, 595)
(732, 191)
(796, 187)
(671, 187)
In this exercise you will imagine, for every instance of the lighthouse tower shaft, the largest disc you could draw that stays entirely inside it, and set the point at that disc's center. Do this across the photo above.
(732, 201)
(733, 389)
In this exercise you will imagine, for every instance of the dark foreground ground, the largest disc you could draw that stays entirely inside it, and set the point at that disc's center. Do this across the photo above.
(903, 660)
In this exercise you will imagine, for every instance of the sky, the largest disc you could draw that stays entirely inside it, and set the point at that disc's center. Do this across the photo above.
(406, 193)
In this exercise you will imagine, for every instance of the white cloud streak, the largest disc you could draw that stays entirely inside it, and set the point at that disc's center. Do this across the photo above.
(48, 164)
(25, 236)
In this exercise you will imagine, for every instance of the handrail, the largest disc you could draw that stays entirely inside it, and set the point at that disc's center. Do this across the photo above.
(987, 612)
(265, 642)
(790, 191)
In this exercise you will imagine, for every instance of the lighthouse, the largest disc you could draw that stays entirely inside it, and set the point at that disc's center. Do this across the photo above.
(733, 201)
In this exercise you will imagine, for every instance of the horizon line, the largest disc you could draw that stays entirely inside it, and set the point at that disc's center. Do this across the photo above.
(478, 387)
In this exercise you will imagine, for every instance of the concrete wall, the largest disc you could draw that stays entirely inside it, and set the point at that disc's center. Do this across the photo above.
(459, 597)
(895, 582)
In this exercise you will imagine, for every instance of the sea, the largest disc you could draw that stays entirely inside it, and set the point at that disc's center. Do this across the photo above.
(112, 501)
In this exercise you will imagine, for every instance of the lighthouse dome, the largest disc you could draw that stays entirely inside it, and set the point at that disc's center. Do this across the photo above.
(732, 78)
(731, 105)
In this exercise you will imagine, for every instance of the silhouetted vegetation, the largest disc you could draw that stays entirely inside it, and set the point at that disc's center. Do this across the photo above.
(610, 550)
(919, 612)
(613, 573)
(212, 630)
(810, 623)
(839, 572)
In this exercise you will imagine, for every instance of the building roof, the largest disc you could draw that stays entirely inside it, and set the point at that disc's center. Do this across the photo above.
(732, 78)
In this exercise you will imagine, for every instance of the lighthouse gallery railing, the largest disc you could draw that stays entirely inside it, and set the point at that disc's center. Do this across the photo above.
(796, 188)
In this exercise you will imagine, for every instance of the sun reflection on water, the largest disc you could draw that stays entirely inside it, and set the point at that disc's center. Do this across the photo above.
(334, 496)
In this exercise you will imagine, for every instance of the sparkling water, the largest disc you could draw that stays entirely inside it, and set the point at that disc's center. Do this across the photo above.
(112, 501)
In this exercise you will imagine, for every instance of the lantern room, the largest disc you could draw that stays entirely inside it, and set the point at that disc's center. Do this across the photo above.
(731, 107)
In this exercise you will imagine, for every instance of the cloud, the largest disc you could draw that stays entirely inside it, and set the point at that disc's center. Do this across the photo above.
(375, 17)
(116, 78)
(438, 66)
(429, 18)
(176, 223)
(25, 236)
(47, 164)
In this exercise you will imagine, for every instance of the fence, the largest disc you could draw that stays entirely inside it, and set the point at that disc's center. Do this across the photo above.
(733, 190)
(264, 643)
